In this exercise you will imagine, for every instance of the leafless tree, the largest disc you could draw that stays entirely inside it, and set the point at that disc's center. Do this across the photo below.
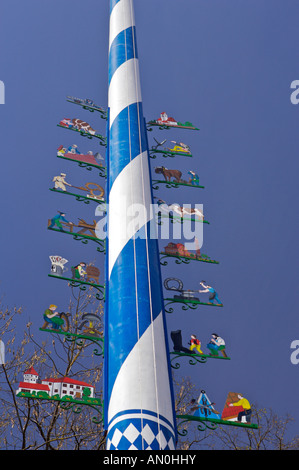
(27, 423)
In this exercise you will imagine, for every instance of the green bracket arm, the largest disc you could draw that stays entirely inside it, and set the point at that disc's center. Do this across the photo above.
(102, 139)
(83, 285)
(80, 339)
(187, 304)
(185, 259)
(174, 184)
(79, 197)
(91, 108)
(210, 423)
(84, 239)
(68, 403)
(193, 358)
(177, 219)
(168, 153)
(88, 166)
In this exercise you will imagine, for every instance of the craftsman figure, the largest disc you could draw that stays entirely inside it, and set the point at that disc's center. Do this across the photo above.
(52, 316)
(61, 151)
(78, 271)
(213, 293)
(246, 406)
(216, 344)
(56, 220)
(195, 343)
(194, 179)
(60, 183)
(73, 149)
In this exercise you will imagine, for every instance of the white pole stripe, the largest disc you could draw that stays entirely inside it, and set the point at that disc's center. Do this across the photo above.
(122, 91)
(126, 397)
(122, 203)
(121, 18)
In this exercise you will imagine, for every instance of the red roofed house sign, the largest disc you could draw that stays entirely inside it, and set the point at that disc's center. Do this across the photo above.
(63, 386)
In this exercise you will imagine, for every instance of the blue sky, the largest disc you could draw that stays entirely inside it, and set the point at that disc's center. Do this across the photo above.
(227, 67)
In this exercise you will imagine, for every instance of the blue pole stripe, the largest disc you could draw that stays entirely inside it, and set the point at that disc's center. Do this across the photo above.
(112, 4)
(126, 143)
(124, 299)
(123, 48)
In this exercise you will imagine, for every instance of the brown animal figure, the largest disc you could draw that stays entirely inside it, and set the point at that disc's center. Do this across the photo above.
(168, 174)
(83, 126)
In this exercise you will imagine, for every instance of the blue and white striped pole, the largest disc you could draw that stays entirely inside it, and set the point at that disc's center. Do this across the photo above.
(139, 402)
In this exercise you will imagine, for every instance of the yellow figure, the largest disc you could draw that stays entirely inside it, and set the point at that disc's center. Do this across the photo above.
(180, 147)
(246, 407)
(195, 343)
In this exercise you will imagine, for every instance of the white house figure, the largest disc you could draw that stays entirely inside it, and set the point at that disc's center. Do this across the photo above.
(67, 386)
(54, 386)
(30, 384)
(30, 376)
(165, 119)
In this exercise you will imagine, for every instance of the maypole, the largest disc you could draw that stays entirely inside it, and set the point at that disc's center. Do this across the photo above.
(139, 404)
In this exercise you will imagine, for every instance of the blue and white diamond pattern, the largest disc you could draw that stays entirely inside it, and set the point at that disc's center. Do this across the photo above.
(131, 435)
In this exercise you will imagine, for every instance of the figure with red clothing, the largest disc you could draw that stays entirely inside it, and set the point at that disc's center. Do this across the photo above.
(195, 344)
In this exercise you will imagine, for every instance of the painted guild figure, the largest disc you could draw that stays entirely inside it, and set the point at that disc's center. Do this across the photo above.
(203, 407)
(73, 153)
(180, 147)
(213, 294)
(57, 265)
(216, 344)
(247, 412)
(176, 337)
(60, 183)
(58, 387)
(180, 210)
(90, 324)
(78, 271)
(57, 219)
(86, 102)
(73, 149)
(61, 151)
(194, 178)
(177, 176)
(166, 120)
(195, 344)
(179, 249)
(51, 316)
(77, 124)
(168, 174)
